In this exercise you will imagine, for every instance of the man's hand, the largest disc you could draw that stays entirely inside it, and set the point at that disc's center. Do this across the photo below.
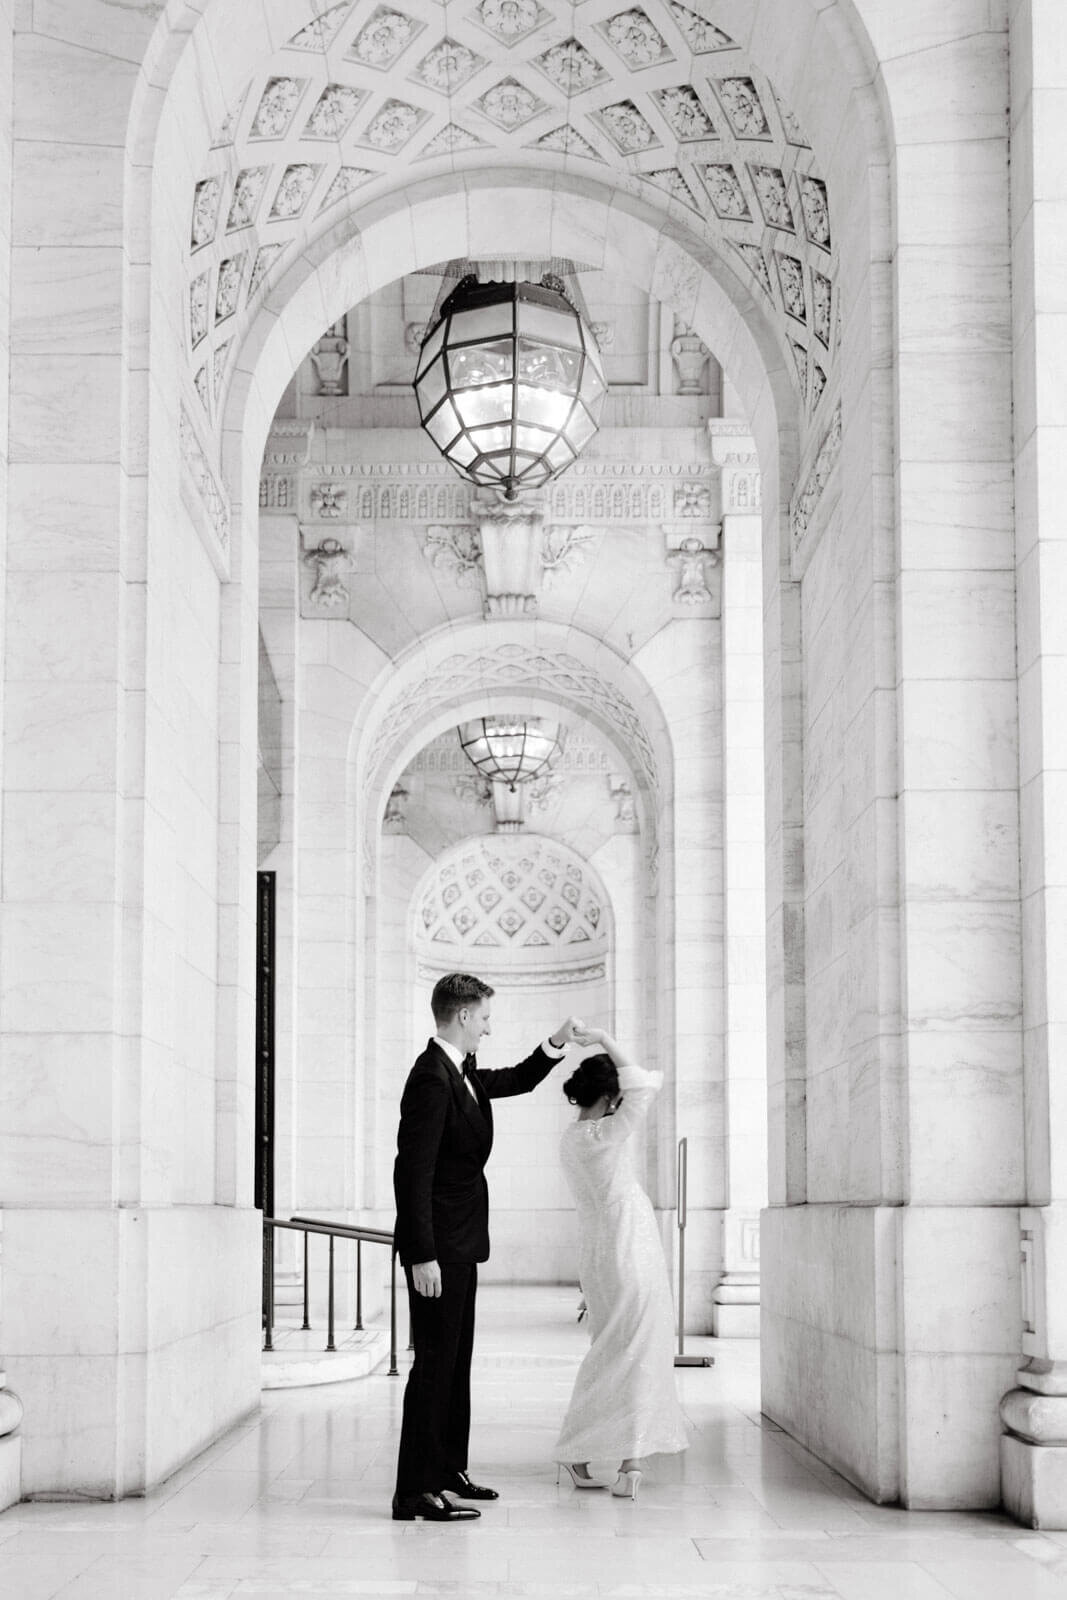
(426, 1277)
(566, 1033)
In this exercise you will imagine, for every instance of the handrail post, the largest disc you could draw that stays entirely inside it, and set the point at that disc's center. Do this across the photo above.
(681, 1359)
(359, 1285)
(393, 1370)
(268, 1285)
(307, 1325)
(329, 1338)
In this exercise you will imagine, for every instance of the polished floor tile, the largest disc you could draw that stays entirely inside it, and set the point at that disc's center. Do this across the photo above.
(295, 1503)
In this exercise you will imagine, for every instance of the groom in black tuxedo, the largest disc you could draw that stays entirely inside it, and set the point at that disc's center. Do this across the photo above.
(442, 1232)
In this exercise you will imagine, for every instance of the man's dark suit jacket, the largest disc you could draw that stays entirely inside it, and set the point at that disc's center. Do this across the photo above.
(444, 1140)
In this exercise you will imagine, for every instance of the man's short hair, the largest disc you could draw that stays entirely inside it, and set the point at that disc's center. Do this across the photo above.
(454, 991)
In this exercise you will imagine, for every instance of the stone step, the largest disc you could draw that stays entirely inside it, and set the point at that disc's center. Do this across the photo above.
(299, 1360)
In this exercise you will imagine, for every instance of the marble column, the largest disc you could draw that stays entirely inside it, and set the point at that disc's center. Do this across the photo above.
(735, 1313)
(1033, 1450)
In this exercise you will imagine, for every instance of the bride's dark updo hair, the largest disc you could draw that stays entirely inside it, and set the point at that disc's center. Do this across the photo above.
(595, 1076)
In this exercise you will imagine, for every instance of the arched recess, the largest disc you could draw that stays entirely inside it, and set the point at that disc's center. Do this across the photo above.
(448, 677)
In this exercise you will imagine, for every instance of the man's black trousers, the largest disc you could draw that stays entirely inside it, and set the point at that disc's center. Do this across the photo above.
(437, 1401)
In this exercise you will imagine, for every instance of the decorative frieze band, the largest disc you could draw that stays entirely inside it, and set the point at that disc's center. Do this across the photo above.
(592, 492)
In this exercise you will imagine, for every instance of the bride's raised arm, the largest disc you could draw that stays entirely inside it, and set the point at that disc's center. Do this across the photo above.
(637, 1087)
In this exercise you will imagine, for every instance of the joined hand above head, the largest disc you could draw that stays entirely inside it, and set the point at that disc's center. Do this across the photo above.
(587, 1036)
(567, 1032)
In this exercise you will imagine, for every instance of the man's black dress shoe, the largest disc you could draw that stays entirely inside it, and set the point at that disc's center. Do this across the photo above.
(460, 1484)
(430, 1508)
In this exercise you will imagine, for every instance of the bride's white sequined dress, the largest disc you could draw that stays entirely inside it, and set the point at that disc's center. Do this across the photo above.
(624, 1401)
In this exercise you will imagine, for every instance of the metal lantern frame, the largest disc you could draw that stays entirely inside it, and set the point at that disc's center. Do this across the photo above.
(509, 383)
(509, 750)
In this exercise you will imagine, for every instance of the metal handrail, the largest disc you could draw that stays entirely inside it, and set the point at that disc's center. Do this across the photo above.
(333, 1230)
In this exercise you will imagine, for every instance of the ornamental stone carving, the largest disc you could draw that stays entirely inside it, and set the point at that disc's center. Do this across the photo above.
(198, 308)
(690, 356)
(821, 294)
(393, 126)
(206, 199)
(268, 254)
(385, 37)
(755, 261)
(571, 67)
(452, 137)
(691, 562)
(457, 551)
(334, 111)
(692, 500)
(509, 20)
(741, 102)
(277, 107)
(210, 497)
(725, 191)
(329, 501)
(627, 128)
(294, 191)
(329, 562)
(348, 179)
(395, 818)
(637, 40)
(806, 502)
(447, 66)
(566, 141)
(509, 104)
(670, 180)
(816, 211)
(702, 37)
(791, 279)
(228, 289)
(769, 185)
(330, 361)
(683, 110)
(247, 192)
(322, 31)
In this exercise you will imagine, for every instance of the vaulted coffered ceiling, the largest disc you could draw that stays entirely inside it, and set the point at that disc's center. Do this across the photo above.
(369, 95)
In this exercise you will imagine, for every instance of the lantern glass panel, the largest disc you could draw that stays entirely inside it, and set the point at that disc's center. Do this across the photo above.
(479, 406)
(462, 453)
(548, 366)
(431, 347)
(592, 384)
(431, 387)
(443, 425)
(533, 440)
(554, 327)
(559, 455)
(544, 407)
(486, 322)
(480, 363)
(581, 427)
(497, 438)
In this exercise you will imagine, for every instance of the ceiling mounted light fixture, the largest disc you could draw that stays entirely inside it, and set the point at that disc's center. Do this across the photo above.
(509, 750)
(509, 383)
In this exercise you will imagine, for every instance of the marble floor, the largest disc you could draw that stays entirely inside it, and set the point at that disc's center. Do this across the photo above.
(295, 1502)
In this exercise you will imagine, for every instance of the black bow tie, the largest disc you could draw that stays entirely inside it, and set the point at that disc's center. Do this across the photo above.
(469, 1063)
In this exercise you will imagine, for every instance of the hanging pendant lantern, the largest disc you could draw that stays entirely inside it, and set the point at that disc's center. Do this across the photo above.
(509, 750)
(509, 383)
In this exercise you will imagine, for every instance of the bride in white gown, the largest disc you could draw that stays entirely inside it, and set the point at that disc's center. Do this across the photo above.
(624, 1405)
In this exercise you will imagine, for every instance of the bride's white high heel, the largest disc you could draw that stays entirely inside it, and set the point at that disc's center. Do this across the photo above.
(576, 1478)
(625, 1485)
